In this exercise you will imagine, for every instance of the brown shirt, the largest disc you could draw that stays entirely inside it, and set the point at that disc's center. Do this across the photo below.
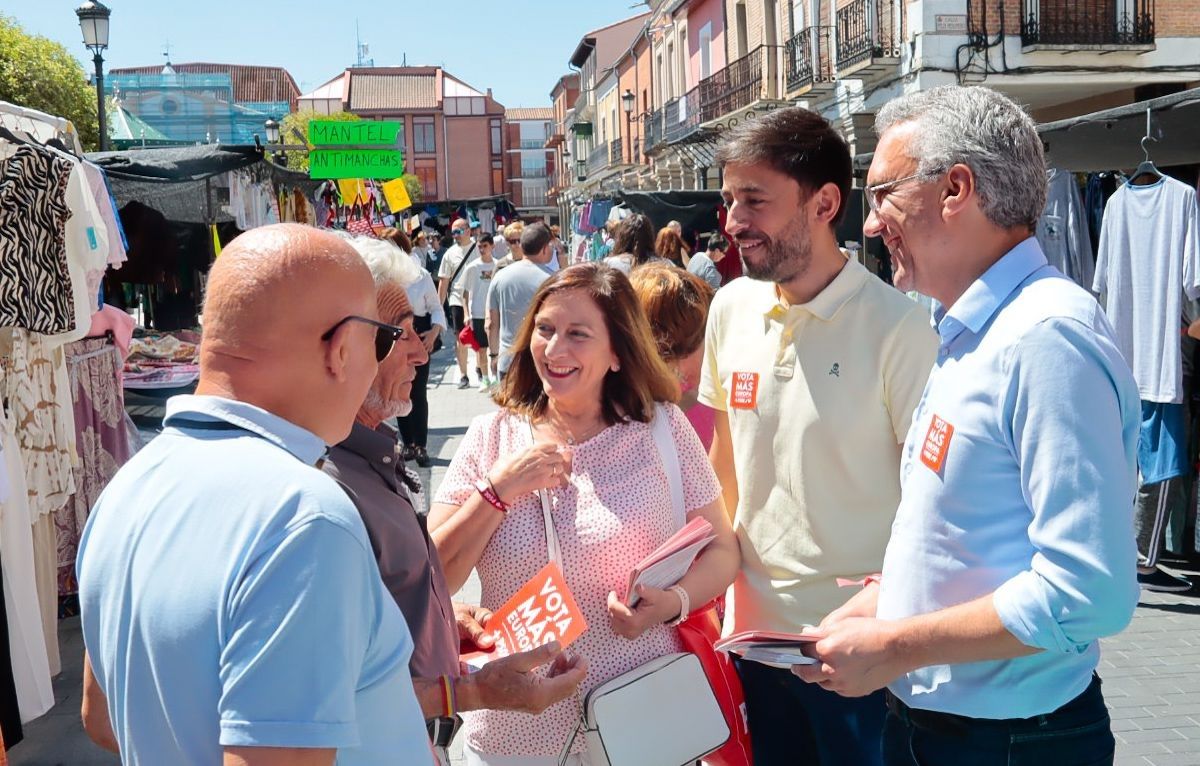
(368, 465)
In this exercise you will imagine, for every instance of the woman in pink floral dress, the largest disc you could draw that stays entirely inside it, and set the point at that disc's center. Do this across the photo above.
(576, 409)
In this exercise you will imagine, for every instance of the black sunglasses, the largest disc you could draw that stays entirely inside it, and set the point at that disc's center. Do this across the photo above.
(386, 335)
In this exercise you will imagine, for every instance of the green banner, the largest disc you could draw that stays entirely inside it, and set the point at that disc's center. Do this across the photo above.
(355, 163)
(357, 133)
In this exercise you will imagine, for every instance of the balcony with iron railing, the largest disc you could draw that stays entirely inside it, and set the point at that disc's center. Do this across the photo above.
(534, 170)
(533, 197)
(869, 34)
(808, 62)
(652, 131)
(615, 155)
(597, 159)
(532, 143)
(1087, 24)
(682, 116)
(755, 77)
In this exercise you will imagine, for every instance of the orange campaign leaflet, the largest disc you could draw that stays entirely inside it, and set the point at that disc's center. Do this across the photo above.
(543, 610)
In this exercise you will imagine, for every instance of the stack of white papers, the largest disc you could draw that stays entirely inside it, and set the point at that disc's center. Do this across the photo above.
(779, 650)
(670, 561)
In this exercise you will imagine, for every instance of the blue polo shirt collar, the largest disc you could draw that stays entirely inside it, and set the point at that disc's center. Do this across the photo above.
(302, 443)
(986, 294)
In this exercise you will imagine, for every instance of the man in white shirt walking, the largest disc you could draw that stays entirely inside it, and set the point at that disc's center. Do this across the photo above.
(450, 283)
(477, 277)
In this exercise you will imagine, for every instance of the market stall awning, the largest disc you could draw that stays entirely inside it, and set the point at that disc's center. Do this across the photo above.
(176, 163)
(1111, 139)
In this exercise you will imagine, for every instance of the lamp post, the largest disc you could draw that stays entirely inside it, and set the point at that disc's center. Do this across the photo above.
(627, 102)
(93, 21)
(272, 129)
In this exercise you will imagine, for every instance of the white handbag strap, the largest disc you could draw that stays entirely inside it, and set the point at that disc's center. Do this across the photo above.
(552, 545)
(667, 450)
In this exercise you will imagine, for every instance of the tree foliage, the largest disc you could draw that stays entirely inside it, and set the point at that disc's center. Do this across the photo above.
(294, 130)
(38, 73)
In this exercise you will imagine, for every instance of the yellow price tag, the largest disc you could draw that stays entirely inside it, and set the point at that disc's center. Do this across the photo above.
(396, 194)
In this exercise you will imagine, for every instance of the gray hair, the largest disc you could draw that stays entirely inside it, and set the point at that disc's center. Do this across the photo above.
(387, 262)
(984, 130)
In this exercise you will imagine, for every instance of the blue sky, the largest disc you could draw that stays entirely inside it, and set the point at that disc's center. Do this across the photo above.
(519, 48)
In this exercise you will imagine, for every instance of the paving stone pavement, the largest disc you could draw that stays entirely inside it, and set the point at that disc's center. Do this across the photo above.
(1151, 671)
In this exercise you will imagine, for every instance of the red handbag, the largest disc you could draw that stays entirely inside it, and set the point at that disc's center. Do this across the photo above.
(698, 633)
(359, 220)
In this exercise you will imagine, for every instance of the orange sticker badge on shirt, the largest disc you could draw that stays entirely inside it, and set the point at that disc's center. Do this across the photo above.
(937, 444)
(745, 391)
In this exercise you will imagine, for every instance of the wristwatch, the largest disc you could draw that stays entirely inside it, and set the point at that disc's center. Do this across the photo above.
(683, 605)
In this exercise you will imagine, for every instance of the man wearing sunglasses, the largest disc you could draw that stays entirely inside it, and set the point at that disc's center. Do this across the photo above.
(450, 288)
(368, 466)
(231, 605)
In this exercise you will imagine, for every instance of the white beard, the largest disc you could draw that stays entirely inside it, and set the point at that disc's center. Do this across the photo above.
(385, 410)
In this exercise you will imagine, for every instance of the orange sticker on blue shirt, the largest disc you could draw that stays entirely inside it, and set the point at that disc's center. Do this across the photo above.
(937, 444)
(745, 391)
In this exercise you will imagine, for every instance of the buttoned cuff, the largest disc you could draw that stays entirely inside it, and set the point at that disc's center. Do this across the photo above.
(1029, 607)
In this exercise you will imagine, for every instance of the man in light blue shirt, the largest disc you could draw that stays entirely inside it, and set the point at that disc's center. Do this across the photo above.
(704, 265)
(512, 290)
(1012, 552)
(231, 605)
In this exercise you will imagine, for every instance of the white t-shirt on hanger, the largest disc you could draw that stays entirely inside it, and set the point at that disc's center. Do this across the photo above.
(1148, 258)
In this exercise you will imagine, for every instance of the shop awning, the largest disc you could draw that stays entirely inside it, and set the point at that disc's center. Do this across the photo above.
(1111, 139)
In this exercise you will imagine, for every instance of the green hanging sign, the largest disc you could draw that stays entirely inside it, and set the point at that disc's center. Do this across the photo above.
(357, 133)
(355, 163)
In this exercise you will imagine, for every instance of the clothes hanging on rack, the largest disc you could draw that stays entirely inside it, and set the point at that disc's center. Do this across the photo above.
(1100, 186)
(38, 393)
(107, 207)
(35, 281)
(1062, 230)
(10, 705)
(27, 643)
(1149, 257)
(252, 202)
(94, 366)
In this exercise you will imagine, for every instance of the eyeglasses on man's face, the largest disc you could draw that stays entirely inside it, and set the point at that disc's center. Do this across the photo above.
(386, 335)
(877, 193)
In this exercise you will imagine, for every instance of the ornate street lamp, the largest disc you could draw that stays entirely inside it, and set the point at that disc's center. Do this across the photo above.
(93, 21)
(627, 103)
(279, 154)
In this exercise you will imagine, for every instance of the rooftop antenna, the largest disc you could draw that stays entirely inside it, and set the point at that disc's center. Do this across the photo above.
(361, 49)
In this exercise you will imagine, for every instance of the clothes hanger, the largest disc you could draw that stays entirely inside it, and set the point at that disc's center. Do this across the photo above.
(9, 135)
(1147, 166)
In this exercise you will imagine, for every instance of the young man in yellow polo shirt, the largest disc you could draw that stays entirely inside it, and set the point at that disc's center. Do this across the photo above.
(814, 366)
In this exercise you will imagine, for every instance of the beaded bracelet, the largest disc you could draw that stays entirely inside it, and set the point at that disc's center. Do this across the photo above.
(488, 492)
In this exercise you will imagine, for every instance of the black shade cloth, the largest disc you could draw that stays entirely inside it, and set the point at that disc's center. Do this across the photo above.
(696, 211)
(176, 163)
